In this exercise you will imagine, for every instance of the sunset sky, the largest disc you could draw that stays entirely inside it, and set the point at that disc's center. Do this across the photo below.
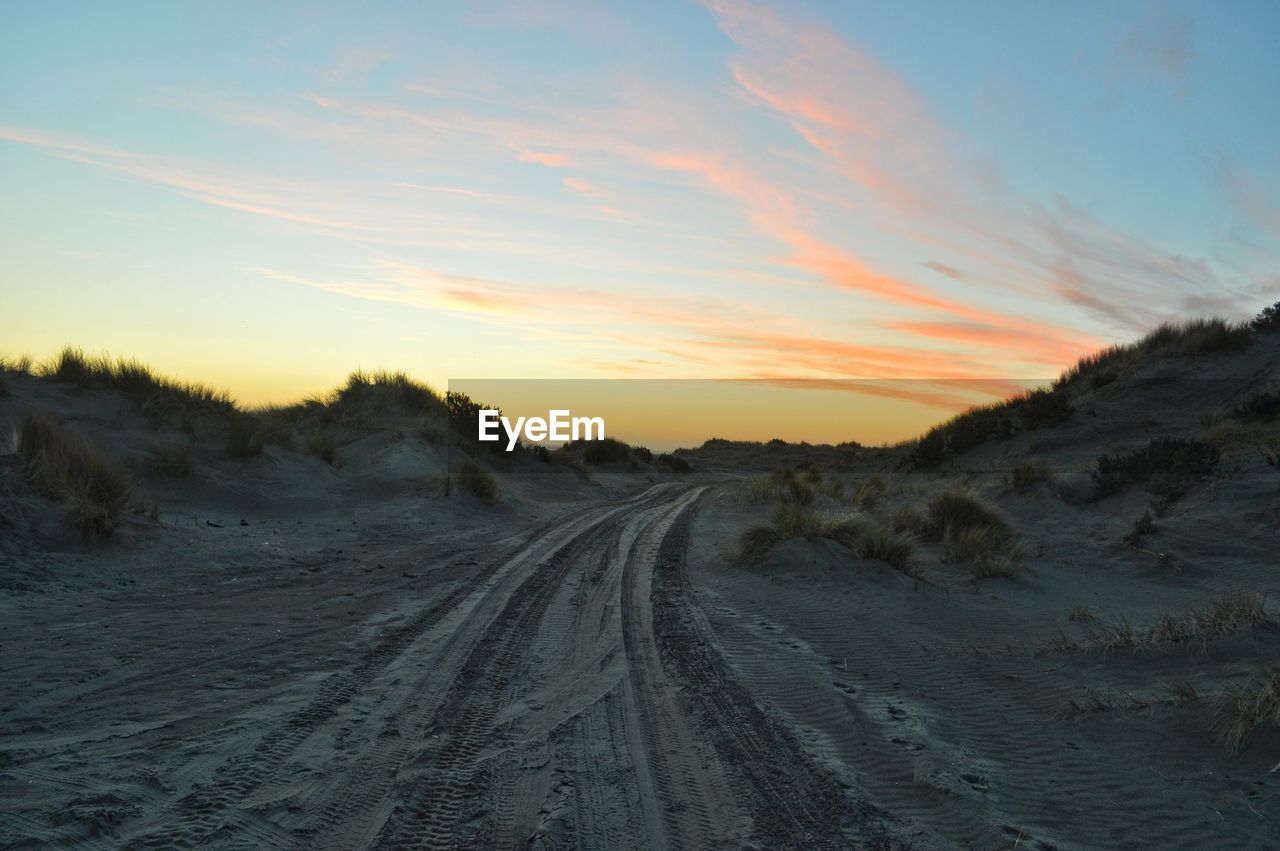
(266, 198)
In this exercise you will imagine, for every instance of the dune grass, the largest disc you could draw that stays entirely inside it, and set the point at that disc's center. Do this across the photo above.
(1245, 708)
(161, 399)
(1259, 408)
(862, 534)
(245, 438)
(67, 468)
(1167, 466)
(171, 459)
(1226, 615)
(971, 532)
(673, 463)
(866, 496)
(322, 445)
(1026, 474)
(607, 450)
(478, 482)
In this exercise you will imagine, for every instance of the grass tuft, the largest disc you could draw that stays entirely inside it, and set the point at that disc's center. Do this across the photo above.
(172, 460)
(69, 469)
(322, 445)
(478, 481)
(860, 533)
(1245, 708)
(1027, 473)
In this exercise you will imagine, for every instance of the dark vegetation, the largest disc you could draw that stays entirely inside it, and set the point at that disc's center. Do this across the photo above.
(1044, 408)
(172, 460)
(1167, 467)
(68, 469)
(478, 481)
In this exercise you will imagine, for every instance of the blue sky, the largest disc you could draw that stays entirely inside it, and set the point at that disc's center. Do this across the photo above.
(268, 198)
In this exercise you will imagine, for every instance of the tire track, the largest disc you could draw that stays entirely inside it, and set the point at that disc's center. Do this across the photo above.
(464, 724)
(794, 802)
(204, 811)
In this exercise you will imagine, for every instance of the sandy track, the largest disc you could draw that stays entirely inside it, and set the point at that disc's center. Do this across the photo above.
(565, 692)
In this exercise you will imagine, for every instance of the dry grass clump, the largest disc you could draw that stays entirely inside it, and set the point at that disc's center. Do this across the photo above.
(74, 472)
(866, 496)
(987, 553)
(971, 532)
(172, 460)
(1226, 615)
(1245, 708)
(478, 481)
(784, 485)
(958, 509)
(1027, 473)
(860, 533)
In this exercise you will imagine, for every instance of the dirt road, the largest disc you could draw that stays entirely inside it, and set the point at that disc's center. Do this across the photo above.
(566, 692)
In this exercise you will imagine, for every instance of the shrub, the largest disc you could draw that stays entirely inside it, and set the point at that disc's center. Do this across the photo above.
(1027, 473)
(674, 463)
(643, 453)
(322, 445)
(74, 472)
(244, 437)
(1268, 319)
(1245, 708)
(172, 460)
(607, 450)
(986, 550)
(478, 481)
(1167, 466)
(1260, 407)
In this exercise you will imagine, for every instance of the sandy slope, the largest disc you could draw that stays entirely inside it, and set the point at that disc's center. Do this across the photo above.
(298, 656)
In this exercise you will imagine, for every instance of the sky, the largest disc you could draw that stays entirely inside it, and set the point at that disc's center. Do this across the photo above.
(267, 196)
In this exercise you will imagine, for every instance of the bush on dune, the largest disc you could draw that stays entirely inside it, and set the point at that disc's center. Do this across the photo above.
(74, 472)
(478, 481)
(607, 450)
(862, 534)
(1167, 466)
(1267, 320)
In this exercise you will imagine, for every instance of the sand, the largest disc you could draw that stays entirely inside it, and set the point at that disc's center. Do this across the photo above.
(300, 656)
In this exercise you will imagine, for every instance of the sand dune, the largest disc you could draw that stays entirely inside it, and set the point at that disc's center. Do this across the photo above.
(278, 651)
